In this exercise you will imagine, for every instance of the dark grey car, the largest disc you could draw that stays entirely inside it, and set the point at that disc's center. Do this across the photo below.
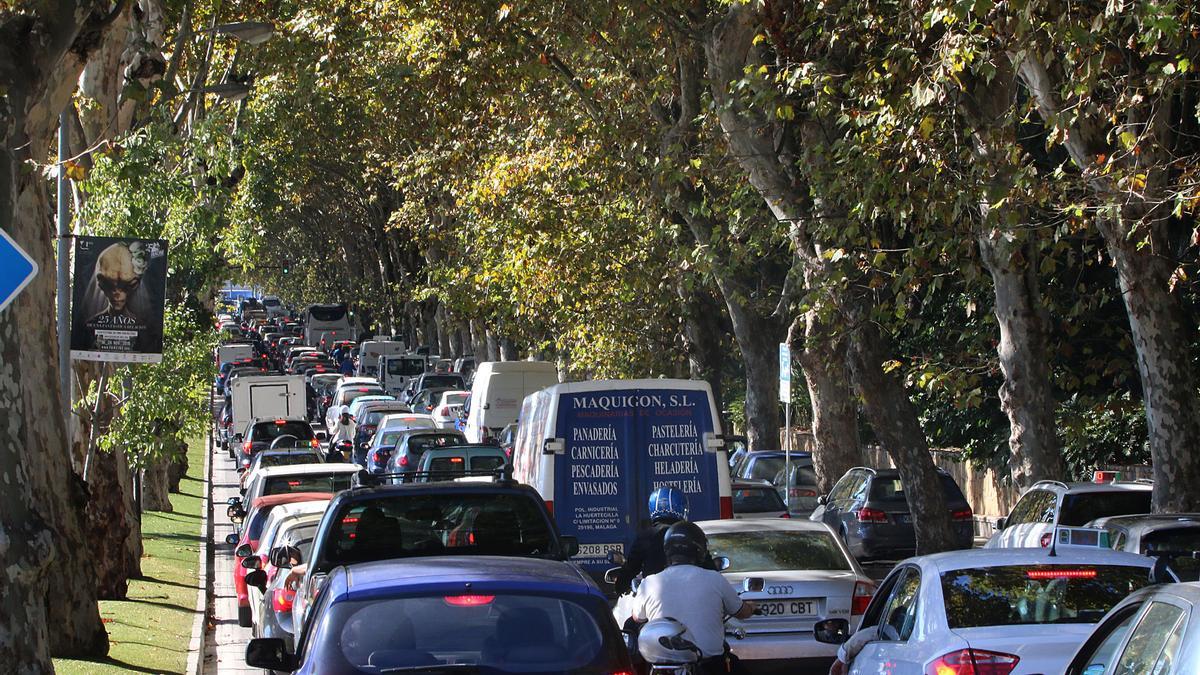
(868, 508)
(407, 455)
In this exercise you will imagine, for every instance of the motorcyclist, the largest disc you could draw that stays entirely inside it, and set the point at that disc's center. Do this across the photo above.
(343, 431)
(668, 506)
(696, 597)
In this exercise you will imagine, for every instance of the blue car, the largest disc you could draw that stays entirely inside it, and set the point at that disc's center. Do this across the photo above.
(484, 614)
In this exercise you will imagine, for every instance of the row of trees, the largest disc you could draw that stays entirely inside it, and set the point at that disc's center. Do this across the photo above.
(973, 221)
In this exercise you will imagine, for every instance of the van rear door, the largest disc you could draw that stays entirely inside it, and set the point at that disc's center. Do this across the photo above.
(620, 445)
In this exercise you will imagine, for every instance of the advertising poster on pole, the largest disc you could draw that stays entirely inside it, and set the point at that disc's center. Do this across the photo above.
(117, 299)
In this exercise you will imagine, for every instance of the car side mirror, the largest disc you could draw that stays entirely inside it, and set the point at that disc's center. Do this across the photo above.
(822, 500)
(1001, 523)
(831, 631)
(231, 539)
(257, 578)
(282, 556)
(235, 513)
(233, 501)
(251, 562)
(243, 551)
(570, 546)
(615, 557)
(721, 563)
(611, 574)
(270, 654)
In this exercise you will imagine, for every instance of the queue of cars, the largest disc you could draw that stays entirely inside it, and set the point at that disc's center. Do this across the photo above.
(431, 547)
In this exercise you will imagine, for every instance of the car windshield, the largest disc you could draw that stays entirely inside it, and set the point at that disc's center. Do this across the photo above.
(1083, 507)
(443, 523)
(501, 633)
(265, 460)
(1036, 594)
(434, 381)
(766, 550)
(405, 367)
(372, 418)
(1181, 542)
(756, 500)
(268, 431)
(277, 485)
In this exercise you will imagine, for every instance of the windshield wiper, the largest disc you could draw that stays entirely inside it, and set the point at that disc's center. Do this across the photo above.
(439, 668)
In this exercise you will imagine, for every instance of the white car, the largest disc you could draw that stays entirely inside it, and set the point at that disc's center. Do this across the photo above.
(347, 390)
(1048, 504)
(446, 411)
(275, 480)
(1017, 611)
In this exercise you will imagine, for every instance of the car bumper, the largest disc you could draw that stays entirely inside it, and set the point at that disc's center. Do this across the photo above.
(782, 647)
(865, 540)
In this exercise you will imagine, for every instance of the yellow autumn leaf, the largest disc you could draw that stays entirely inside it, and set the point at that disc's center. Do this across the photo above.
(926, 128)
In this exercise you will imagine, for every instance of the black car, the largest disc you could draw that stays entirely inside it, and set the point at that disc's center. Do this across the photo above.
(261, 434)
(444, 381)
(366, 524)
(868, 508)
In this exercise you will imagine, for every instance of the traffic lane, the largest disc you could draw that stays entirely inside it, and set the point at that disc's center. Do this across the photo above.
(227, 640)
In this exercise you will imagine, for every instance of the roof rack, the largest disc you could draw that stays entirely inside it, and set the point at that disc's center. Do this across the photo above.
(365, 479)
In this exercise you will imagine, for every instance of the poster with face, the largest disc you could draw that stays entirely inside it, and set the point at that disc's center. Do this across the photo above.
(117, 299)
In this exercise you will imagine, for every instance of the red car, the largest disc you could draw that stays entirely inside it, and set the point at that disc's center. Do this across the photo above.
(247, 542)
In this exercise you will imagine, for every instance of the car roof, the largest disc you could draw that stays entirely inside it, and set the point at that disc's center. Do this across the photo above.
(1088, 487)
(1188, 591)
(283, 452)
(402, 417)
(999, 557)
(293, 509)
(747, 483)
(289, 498)
(1148, 522)
(463, 449)
(307, 469)
(459, 574)
(763, 524)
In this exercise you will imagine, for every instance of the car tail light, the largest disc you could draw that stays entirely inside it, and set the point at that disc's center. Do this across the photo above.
(404, 460)
(550, 506)
(960, 515)
(861, 598)
(469, 600)
(973, 662)
(1045, 540)
(377, 457)
(1061, 574)
(456, 460)
(785, 515)
(868, 515)
(726, 508)
(802, 492)
(315, 443)
(281, 600)
(247, 446)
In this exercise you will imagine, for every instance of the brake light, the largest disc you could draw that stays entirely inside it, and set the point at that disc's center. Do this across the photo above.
(363, 389)
(247, 446)
(1045, 540)
(469, 600)
(293, 483)
(861, 598)
(315, 443)
(785, 515)
(868, 515)
(550, 506)
(1060, 574)
(377, 457)
(282, 599)
(960, 515)
(726, 508)
(404, 460)
(973, 662)
(456, 460)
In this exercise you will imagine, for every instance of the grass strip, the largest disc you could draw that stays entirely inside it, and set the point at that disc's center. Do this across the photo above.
(149, 631)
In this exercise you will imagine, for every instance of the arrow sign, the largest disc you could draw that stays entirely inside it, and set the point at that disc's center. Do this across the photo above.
(17, 269)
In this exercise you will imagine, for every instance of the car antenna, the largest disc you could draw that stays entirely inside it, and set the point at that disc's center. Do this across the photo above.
(1054, 543)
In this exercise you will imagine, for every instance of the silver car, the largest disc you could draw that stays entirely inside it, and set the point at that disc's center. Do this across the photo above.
(1155, 630)
(798, 572)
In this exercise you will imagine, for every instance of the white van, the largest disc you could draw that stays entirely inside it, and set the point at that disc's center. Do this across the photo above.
(267, 397)
(497, 392)
(395, 370)
(234, 351)
(369, 353)
(596, 450)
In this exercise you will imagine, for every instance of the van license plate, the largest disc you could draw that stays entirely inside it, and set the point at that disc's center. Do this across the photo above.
(786, 607)
(907, 520)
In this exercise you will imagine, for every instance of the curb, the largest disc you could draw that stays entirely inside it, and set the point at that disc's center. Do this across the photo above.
(195, 660)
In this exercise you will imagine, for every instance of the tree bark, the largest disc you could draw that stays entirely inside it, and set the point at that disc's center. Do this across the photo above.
(479, 342)
(108, 528)
(508, 350)
(156, 487)
(895, 422)
(1135, 231)
(822, 357)
(703, 330)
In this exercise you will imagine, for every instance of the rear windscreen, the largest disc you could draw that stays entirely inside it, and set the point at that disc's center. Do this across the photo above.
(765, 468)
(1036, 594)
(434, 381)
(349, 396)
(1078, 509)
(290, 459)
(449, 522)
(767, 550)
(327, 313)
(405, 367)
(419, 444)
(756, 500)
(1179, 543)
(268, 431)
(278, 485)
(891, 489)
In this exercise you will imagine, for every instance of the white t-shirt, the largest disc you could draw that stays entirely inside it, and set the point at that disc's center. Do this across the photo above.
(695, 597)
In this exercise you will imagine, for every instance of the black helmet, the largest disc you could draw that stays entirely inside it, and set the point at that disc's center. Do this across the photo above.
(685, 544)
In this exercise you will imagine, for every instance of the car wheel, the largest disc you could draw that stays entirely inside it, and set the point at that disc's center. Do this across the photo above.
(245, 619)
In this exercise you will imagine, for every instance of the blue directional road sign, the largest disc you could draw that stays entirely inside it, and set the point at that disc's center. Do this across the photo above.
(17, 269)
